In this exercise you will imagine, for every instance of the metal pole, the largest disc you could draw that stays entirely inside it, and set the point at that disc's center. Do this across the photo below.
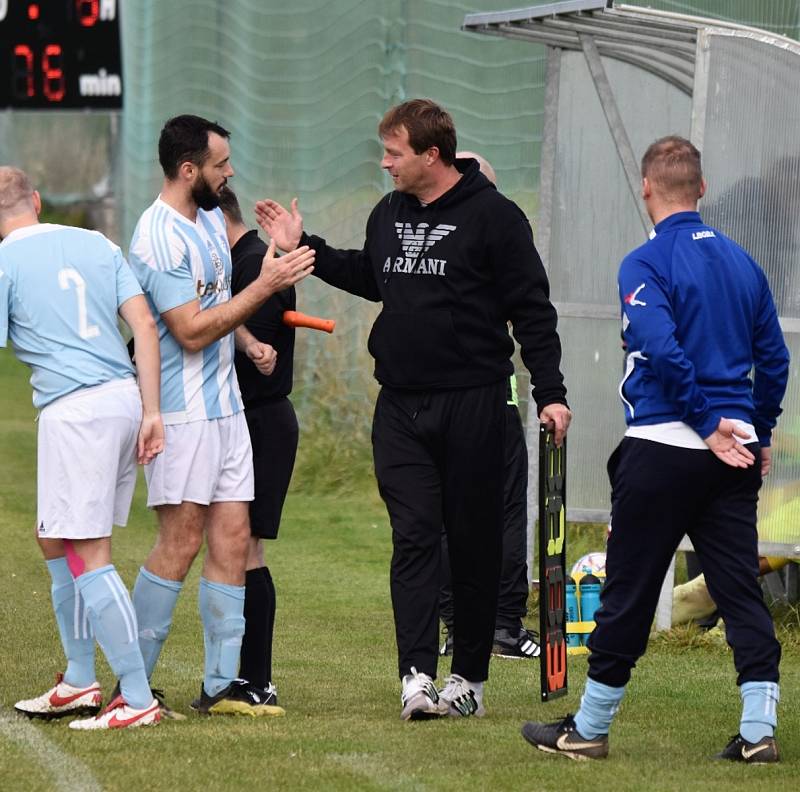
(615, 124)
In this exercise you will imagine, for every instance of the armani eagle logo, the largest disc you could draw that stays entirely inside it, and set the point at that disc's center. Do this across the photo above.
(418, 242)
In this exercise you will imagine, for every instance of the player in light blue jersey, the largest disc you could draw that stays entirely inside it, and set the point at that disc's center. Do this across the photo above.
(61, 290)
(203, 482)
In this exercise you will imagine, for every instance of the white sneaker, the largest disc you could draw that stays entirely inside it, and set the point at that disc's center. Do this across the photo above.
(62, 700)
(460, 698)
(118, 715)
(419, 697)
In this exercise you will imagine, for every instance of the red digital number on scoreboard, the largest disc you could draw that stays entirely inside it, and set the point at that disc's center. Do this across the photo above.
(88, 11)
(61, 53)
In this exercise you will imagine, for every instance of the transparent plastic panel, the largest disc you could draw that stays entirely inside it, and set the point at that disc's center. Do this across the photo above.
(751, 157)
(593, 367)
(595, 217)
(751, 160)
(779, 506)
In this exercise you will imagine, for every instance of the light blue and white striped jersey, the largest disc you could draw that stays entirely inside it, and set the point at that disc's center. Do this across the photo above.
(178, 261)
(60, 290)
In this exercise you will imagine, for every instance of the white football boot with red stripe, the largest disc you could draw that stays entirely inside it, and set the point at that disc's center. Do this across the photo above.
(63, 700)
(118, 715)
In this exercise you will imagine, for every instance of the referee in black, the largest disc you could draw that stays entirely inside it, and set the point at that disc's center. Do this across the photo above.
(265, 380)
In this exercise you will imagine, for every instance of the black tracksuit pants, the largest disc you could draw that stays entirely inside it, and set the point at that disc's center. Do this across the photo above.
(439, 461)
(660, 493)
(512, 598)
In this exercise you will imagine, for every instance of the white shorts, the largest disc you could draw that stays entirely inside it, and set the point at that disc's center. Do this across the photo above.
(203, 462)
(86, 470)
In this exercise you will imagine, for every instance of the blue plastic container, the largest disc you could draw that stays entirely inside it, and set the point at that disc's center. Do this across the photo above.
(573, 610)
(590, 587)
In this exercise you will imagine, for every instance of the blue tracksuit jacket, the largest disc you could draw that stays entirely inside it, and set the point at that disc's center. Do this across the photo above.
(698, 317)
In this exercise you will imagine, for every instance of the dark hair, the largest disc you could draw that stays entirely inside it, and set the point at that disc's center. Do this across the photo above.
(427, 125)
(672, 165)
(229, 204)
(184, 138)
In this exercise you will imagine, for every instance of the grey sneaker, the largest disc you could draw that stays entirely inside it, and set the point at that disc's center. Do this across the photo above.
(765, 751)
(561, 737)
(460, 698)
(419, 697)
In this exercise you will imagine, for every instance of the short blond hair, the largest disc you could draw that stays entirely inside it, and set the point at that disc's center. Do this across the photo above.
(16, 192)
(672, 165)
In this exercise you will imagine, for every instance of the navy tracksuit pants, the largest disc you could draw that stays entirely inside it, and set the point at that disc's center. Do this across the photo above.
(660, 493)
(439, 461)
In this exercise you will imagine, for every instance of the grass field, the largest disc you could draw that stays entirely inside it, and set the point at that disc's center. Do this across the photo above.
(335, 671)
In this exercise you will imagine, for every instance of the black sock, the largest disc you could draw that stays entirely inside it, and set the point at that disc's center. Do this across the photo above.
(270, 623)
(256, 619)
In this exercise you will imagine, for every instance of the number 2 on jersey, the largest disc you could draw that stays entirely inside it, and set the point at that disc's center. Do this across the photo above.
(67, 277)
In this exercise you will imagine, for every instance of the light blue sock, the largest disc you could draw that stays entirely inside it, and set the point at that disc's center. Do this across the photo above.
(599, 705)
(76, 633)
(154, 600)
(222, 612)
(759, 710)
(114, 622)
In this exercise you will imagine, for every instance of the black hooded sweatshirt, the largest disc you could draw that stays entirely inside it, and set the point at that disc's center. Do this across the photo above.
(451, 274)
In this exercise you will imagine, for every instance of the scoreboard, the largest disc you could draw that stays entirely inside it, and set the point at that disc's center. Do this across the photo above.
(60, 54)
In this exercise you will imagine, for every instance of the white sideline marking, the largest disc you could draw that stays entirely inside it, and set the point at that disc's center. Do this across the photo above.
(67, 772)
(373, 769)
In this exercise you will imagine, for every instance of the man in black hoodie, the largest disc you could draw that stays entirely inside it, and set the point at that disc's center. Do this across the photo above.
(453, 261)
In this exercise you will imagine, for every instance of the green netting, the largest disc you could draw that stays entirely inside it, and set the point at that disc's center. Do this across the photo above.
(779, 16)
(302, 86)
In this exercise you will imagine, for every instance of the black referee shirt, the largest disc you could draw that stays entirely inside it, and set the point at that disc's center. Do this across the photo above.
(266, 324)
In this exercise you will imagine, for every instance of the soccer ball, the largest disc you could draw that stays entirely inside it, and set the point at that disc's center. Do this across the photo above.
(594, 563)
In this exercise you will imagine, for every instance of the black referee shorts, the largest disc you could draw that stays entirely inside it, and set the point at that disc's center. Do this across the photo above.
(273, 435)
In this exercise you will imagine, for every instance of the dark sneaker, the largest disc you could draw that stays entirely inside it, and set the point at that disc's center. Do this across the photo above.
(270, 695)
(446, 648)
(740, 750)
(239, 698)
(517, 644)
(561, 737)
(164, 708)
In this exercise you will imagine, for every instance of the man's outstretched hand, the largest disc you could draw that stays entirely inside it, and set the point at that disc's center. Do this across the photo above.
(285, 227)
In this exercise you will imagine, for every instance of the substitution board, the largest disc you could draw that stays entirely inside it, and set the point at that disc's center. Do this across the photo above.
(552, 562)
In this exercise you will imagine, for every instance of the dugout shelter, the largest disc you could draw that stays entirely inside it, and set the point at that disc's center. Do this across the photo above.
(618, 77)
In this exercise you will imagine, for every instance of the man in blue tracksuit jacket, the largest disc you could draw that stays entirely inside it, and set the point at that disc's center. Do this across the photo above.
(697, 317)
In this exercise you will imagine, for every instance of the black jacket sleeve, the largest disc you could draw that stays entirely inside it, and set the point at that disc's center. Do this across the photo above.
(525, 293)
(349, 270)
